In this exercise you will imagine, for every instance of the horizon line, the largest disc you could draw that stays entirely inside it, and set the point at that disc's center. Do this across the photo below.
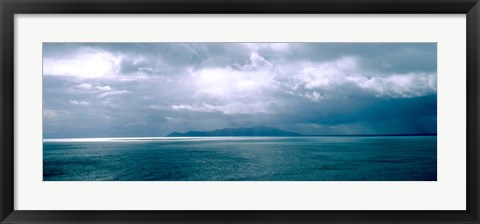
(293, 136)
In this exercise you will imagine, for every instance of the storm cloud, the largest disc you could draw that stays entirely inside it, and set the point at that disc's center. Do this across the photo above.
(152, 89)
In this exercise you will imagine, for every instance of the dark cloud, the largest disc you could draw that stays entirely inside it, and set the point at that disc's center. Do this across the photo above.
(152, 89)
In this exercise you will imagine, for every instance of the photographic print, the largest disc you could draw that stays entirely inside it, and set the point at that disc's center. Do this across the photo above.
(239, 111)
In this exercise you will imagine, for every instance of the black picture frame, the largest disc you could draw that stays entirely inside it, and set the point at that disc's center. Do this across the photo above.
(9, 8)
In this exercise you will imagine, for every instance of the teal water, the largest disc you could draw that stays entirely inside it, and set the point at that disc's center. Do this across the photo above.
(401, 158)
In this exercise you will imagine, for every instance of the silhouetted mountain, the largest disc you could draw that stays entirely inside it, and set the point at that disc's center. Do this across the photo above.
(253, 131)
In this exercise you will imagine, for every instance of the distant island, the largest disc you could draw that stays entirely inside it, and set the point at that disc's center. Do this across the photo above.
(253, 131)
(269, 131)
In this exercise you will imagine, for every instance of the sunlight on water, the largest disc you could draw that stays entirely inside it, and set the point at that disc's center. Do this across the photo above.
(157, 139)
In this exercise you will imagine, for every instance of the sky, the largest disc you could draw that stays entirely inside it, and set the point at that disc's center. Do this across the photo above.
(153, 89)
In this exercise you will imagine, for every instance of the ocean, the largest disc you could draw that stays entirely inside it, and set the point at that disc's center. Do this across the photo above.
(380, 158)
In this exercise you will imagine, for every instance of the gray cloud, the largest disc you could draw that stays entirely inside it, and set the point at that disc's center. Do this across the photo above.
(152, 89)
